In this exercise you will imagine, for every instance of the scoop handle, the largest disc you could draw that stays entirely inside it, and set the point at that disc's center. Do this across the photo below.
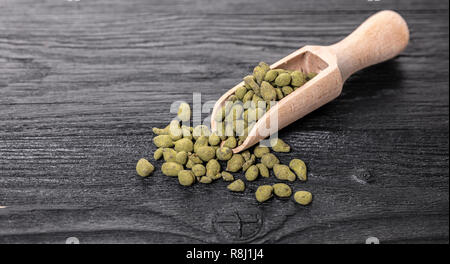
(381, 37)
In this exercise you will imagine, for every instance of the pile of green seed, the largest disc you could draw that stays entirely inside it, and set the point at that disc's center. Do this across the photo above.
(195, 154)
(254, 98)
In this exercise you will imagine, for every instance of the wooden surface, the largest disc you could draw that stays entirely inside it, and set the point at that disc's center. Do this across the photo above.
(82, 83)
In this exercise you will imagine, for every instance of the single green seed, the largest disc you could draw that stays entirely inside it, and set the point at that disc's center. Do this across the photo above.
(189, 164)
(206, 153)
(303, 197)
(270, 76)
(283, 79)
(235, 163)
(231, 143)
(226, 176)
(278, 145)
(184, 144)
(158, 153)
(280, 94)
(171, 168)
(299, 167)
(169, 155)
(212, 168)
(264, 193)
(282, 172)
(181, 157)
(144, 168)
(250, 81)
(163, 141)
(214, 139)
(260, 150)
(248, 96)
(268, 92)
(236, 186)
(263, 170)
(205, 180)
(240, 92)
(195, 158)
(186, 177)
(298, 78)
(160, 131)
(184, 112)
(287, 90)
(199, 170)
(224, 153)
(269, 160)
(252, 173)
(246, 155)
(282, 190)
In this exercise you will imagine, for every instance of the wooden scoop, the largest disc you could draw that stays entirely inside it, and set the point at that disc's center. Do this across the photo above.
(381, 37)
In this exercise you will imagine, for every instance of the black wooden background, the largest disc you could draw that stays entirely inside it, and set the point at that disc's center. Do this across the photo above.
(82, 83)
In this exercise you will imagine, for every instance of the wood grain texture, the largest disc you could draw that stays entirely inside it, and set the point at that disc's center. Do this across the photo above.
(82, 83)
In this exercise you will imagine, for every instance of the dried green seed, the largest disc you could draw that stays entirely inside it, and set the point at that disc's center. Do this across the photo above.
(235, 163)
(231, 143)
(224, 153)
(236, 186)
(186, 177)
(264, 193)
(303, 197)
(283, 79)
(184, 112)
(199, 170)
(260, 150)
(287, 90)
(181, 157)
(240, 92)
(184, 144)
(202, 141)
(158, 153)
(195, 158)
(246, 155)
(206, 153)
(175, 131)
(169, 155)
(299, 167)
(212, 168)
(189, 164)
(249, 163)
(278, 145)
(163, 141)
(160, 131)
(270, 76)
(259, 72)
(248, 96)
(171, 168)
(280, 94)
(214, 139)
(250, 81)
(263, 170)
(269, 160)
(282, 172)
(268, 92)
(252, 173)
(298, 78)
(144, 168)
(282, 190)
(205, 179)
(226, 176)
